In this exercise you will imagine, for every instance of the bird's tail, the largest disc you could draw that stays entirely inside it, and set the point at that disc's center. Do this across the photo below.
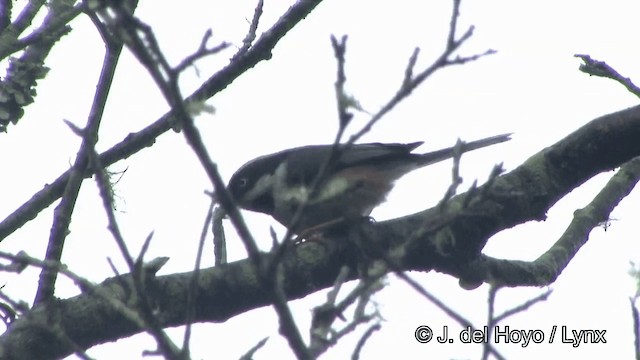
(444, 154)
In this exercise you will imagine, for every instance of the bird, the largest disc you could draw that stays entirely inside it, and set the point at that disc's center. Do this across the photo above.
(356, 178)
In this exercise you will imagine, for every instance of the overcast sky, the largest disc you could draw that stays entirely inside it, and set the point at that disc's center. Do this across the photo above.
(531, 87)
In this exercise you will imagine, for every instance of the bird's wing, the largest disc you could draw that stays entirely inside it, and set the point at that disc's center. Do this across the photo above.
(304, 163)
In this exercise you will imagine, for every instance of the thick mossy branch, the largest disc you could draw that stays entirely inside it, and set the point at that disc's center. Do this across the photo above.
(446, 240)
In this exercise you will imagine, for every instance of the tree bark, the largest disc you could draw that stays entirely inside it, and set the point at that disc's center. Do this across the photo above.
(446, 239)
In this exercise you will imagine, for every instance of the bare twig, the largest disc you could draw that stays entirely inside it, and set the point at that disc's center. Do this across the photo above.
(323, 334)
(442, 306)
(249, 354)
(106, 193)
(219, 238)
(602, 69)
(523, 307)
(493, 320)
(363, 340)
(138, 270)
(344, 117)
(635, 315)
(192, 135)
(251, 34)
(456, 180)
(288, 327)
(62, 213)
(453, 24)
(325, 314)
(201, 52)
(434, 300)
(166, 79)
(8, 312)
(84, 284)
(140, 274)
(491, 302)
(141, 40)
(192, 294)
(408, 71)
(134, 142)
(19, 306)
(411, 82)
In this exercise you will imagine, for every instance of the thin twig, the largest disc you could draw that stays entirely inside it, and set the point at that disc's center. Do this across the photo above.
(139, 272)
(219, 237)
(84, 284)
(325, 315)
(8, 311)
(635, 315)
(166, 79)
(249, 354)
(442, 306)
(363, 340)
(491, 302)
(141, 40)
(251, 34)
(106, 193)
(344, 117)
(192, 293)
(288, 327)
(456, 180)
(149, 54)
(411, 82)
(201, 52)
(62, 213)
(522, 307)
(134, 142)
(602, 69)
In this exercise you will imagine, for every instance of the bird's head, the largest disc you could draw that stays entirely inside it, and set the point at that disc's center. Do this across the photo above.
(251, 187)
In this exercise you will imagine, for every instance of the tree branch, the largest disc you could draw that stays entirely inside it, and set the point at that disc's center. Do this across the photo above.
(134, 142)
(62, 213)
(522, 195)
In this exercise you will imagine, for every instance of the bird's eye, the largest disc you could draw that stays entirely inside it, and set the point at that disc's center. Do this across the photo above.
(242, 182)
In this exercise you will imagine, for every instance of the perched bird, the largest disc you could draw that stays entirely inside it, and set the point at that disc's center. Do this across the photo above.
(356, 180)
